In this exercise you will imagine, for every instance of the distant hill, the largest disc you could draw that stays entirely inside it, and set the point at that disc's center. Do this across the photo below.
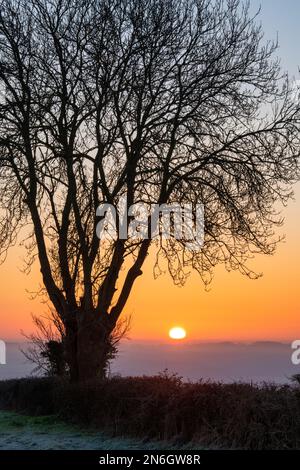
(226, 361)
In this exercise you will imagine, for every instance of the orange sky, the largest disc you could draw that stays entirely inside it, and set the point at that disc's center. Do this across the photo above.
(235, 308)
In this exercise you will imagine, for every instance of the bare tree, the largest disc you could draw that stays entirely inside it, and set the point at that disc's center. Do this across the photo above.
(160, 101)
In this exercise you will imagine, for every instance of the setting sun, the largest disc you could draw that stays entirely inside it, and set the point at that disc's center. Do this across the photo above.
(177, 333)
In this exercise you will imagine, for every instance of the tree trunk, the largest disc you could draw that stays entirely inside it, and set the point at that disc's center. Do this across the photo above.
(71, 348)
(92, 340)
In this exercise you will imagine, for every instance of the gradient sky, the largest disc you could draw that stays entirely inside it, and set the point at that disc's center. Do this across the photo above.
(235, 308)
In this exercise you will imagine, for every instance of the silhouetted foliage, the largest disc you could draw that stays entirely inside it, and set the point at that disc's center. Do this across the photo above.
(208, 414)
(45, 346)
(295, 379)
(54, 356)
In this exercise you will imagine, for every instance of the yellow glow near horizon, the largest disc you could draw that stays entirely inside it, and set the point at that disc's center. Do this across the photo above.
(177, 333)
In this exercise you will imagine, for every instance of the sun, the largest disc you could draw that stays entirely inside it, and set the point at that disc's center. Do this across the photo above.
(177, 332)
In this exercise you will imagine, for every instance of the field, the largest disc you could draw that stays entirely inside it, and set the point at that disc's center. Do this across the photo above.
(22, 432)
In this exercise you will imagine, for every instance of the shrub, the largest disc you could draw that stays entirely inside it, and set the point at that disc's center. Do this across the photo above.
(237, 415)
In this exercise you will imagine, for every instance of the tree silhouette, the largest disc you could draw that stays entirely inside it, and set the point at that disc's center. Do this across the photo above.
(157, 101)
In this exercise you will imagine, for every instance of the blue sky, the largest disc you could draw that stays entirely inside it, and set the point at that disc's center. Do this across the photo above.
(282, 17)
